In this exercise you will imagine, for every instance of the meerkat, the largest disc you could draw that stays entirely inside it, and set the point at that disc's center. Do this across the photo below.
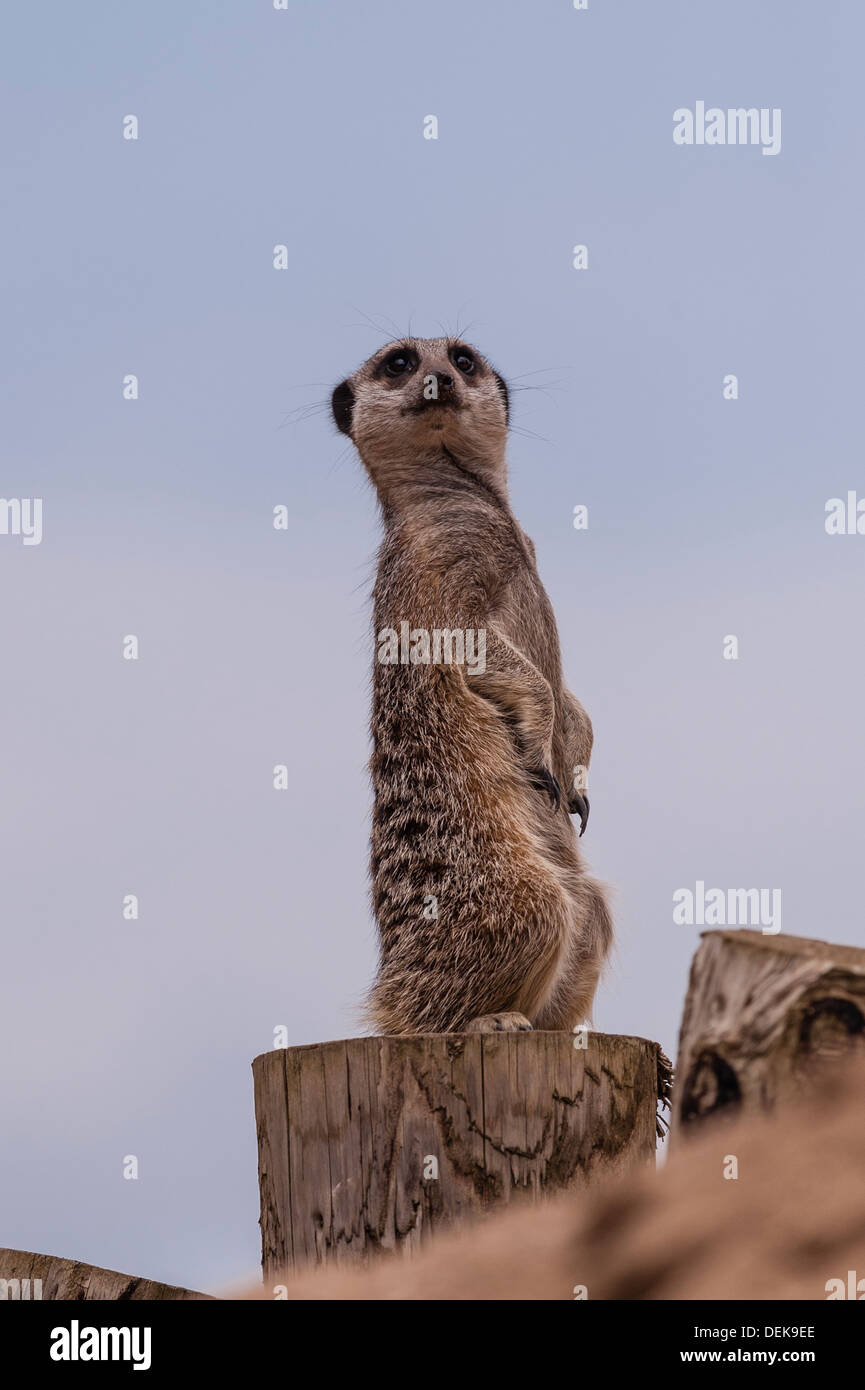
(487, 918)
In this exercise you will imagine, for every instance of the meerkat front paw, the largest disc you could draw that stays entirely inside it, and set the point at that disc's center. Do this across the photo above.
(499, 1023)
(579, 806)
(546, 781)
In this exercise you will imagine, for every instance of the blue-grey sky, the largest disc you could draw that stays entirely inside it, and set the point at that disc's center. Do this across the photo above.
(154, 257)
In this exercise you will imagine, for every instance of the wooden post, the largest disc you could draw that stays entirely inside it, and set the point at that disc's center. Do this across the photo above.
(760, 1013)
(372, 1144)
(27, 1277)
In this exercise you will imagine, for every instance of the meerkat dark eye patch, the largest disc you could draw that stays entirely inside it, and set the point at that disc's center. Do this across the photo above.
(342, 405)
(400, 362)
(464, 360)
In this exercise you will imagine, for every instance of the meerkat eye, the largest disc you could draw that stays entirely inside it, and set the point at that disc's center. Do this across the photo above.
(464, 361)
(397, 364)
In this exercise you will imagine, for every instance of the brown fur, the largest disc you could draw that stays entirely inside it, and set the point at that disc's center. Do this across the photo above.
(460, 760)
(792, 1220)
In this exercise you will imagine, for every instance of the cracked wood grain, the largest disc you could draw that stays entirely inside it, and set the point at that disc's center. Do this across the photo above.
(346, 1131)
(763, 1016)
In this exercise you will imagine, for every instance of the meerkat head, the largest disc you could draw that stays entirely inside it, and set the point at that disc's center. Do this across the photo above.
(424, 403)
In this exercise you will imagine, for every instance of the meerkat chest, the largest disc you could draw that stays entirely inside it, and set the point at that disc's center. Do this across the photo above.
(525, 617)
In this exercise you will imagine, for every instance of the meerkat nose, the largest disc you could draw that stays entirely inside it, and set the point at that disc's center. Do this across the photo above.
(445, 383)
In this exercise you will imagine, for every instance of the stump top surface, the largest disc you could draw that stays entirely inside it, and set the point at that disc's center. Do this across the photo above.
(811, 947)
(415, 1039)
(74, 1280)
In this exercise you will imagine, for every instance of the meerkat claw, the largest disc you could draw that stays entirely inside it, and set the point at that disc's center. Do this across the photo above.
(579, 806)
(547, 782)
(499, 1023)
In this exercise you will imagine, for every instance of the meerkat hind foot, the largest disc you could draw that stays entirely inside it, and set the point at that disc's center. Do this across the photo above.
(499, 1023)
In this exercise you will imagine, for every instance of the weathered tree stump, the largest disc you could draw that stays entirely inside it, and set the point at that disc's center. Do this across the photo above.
(372, 1144)
(26, 1276)
(761, 1015)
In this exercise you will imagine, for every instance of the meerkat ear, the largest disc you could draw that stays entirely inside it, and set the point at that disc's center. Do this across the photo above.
(500, 382)
(342, 405)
